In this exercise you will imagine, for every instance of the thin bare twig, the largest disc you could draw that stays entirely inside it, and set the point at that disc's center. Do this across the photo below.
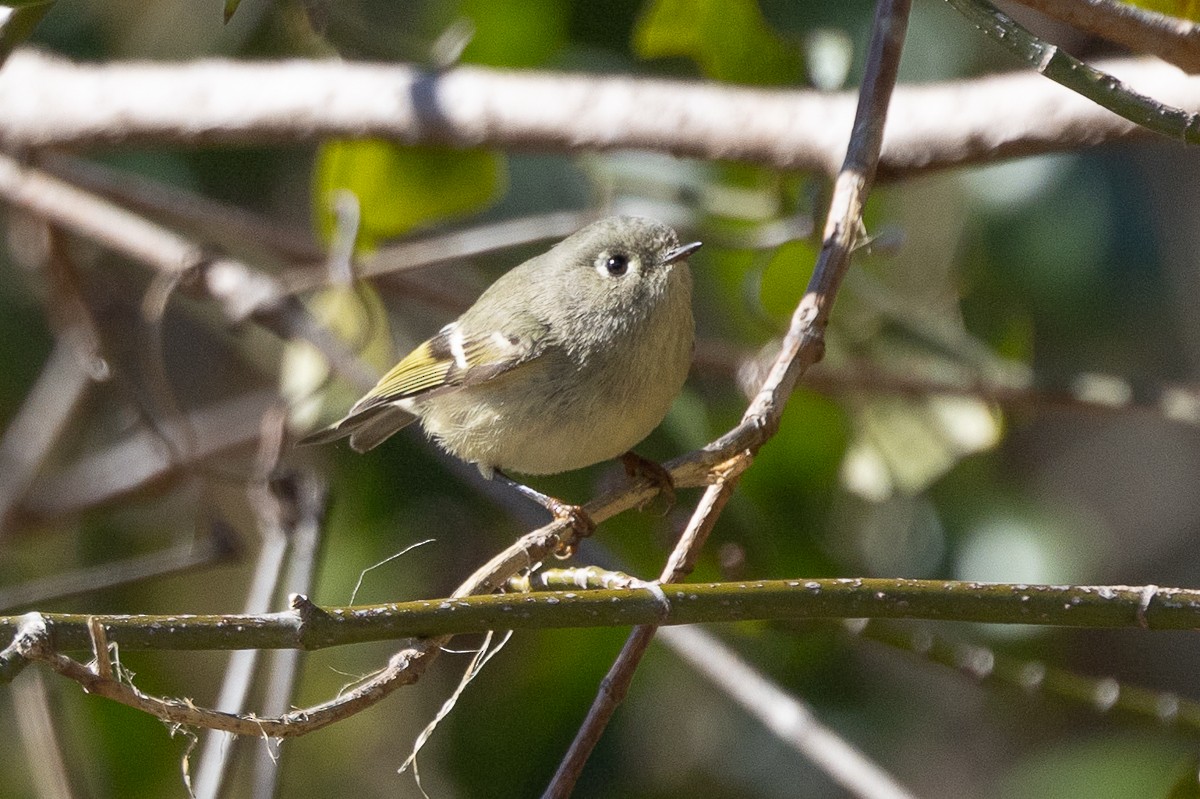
(1085, 394)
(42, 419)
(241, 292)
(141, 459)
(983, 664)
(473, 241)
(186, 557)
(790, 719)
(274, 513)
(213, 219)
(615, 685)
(802, 346)
(39, 739)
(45, 101)
(419, 252)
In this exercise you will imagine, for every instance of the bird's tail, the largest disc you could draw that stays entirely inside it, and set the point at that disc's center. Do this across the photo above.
(366, 429)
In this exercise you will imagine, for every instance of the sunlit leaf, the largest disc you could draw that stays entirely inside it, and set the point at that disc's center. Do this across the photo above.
(728, 39)
(901, 446)
(400, 188)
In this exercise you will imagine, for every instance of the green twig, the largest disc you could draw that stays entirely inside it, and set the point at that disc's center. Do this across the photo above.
(311, 627)
(1100, 87)
(1142, 30)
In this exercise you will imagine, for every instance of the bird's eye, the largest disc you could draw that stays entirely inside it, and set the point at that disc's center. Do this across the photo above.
(617, 264)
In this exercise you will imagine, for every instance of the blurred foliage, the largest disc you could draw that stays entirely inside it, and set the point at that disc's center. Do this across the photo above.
(401, 188)
(1105, 768)
(728, 39)
(356, 315)
(1188, 784)
(514, 33)
(1053, 267)
(1184, 9)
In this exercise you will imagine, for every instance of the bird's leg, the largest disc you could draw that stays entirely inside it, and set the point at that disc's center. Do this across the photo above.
(573, 515)
(639, 467)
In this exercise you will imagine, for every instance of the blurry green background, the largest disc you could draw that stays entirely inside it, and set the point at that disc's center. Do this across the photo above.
(1058, 266)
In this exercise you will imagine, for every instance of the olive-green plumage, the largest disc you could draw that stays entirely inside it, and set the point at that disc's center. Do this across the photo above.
(569, 359)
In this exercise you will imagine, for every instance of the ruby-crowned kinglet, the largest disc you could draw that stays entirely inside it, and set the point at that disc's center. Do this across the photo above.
(569, 359)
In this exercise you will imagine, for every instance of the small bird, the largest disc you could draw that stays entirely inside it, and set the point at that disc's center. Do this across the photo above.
(569, 359)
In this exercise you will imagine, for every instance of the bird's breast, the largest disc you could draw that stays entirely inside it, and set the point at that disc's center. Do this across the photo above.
(572, 407)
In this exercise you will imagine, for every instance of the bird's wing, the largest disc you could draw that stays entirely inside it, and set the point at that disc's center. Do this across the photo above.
(452, 359)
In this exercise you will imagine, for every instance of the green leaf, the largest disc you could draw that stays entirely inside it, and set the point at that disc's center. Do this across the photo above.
(728, 39)
(231, 7)
(514, 33)
(400, 188)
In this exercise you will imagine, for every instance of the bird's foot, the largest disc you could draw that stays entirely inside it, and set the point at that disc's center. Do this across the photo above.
(582, 525)
(638, 467)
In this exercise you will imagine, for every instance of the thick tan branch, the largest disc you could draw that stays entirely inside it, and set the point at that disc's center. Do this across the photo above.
(47, 101)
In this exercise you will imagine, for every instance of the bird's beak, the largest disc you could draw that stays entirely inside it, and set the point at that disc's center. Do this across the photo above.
(681, 252)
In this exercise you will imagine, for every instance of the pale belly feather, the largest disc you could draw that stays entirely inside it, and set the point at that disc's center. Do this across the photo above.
(552, 415)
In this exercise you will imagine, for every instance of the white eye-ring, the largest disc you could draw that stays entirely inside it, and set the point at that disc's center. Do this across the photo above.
(612, 264)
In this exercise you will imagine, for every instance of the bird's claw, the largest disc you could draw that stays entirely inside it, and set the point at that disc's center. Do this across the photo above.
(643, 468)
(581, 524)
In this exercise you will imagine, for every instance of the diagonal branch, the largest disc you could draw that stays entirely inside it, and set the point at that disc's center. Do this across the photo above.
(43, 418)
(1153, 113)
(790, 719)
(141, 459)
(803, 345)
(1141, 30)
(192, 211)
